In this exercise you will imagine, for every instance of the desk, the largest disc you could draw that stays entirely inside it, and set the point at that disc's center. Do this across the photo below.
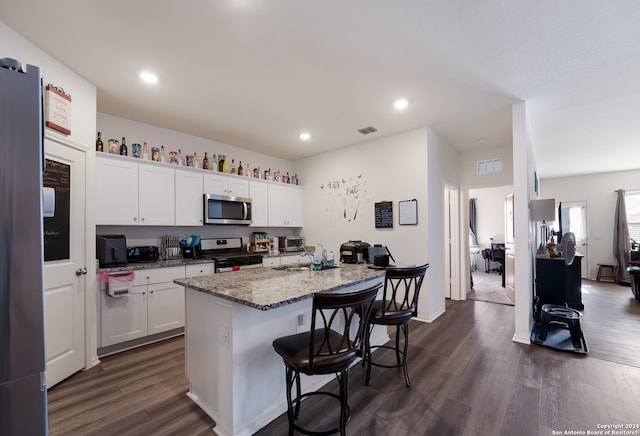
(495, 254)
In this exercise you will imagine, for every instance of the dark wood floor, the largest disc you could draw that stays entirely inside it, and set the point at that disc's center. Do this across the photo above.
(468, 378)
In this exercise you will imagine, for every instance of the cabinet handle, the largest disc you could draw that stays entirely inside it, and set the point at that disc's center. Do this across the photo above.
(142, 219)
(135, 219)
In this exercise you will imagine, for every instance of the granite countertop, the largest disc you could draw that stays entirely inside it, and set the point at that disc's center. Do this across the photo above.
(269, 288)
(157, 264)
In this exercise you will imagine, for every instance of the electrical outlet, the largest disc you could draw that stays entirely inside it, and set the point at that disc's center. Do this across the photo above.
(301, 323)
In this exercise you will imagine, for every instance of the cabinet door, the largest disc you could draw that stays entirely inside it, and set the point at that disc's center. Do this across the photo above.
(124, 318)
(215, 184)
(270, 262)
(238, 187)
(294, 207)
(277, 205)
(165, 307)
(189, 199)
(258, 193)
(116, 192)
(156, 192)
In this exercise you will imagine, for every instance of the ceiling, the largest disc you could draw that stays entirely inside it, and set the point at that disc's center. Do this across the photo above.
(256, 73)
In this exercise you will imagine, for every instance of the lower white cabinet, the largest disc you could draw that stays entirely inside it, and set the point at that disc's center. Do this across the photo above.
(153, 305)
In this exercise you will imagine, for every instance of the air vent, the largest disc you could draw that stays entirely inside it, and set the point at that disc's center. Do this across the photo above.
(367, 130)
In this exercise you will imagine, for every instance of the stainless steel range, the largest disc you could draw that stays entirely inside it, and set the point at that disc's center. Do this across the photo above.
(227, 254)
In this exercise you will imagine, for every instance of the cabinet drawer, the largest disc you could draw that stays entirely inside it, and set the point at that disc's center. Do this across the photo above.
(270, 262)
(203, 269)
(158, 275)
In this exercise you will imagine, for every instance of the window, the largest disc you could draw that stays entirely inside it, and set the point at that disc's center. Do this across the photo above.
(632, 201)
(489, 166)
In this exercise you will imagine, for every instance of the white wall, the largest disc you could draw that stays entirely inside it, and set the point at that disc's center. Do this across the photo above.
(135, 132)
(467, 167)
(443, 168)
(598, 190)
(342, 186)
(490, 214)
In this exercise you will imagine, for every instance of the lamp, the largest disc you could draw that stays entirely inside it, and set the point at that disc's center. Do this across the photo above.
(543, 211)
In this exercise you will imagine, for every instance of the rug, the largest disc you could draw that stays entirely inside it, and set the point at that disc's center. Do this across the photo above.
(488, 287)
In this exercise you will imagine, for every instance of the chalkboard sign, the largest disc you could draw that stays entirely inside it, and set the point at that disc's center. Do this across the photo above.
(384, 215)
(57, 175)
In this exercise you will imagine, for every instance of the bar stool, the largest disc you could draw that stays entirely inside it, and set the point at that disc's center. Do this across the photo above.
(398, 305)
(330, 347)
(614, 272)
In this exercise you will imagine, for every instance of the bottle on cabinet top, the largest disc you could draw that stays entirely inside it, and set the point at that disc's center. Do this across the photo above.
(205, 162)
(123, 148)
(99, 144)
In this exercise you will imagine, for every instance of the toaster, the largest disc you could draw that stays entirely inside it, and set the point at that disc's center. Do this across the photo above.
(354, 252)
(111, 250)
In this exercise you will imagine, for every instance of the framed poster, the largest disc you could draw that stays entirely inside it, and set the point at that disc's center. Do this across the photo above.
(408, 212)
(384, 215)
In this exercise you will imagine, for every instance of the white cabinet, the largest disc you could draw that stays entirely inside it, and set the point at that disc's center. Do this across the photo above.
(156, 195)
(270, 262)
(203, 269)
(222, 184)
(285, 205)
(294, 259)
(189, 198)
(154, 304)
(123, 318)
(128, 193)
(258, 192)
(116, 192)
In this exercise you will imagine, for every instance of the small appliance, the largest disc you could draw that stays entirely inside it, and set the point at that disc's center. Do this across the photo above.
(354, 252)
(228, 254)
(145, 253)
(111, 250)
(223, 209)
(291, 243)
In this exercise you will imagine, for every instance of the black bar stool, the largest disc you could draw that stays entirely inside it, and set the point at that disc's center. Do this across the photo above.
(330, 347)
(398, 306)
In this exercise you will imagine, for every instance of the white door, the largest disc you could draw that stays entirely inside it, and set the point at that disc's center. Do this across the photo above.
(574, 219)
(64, 269)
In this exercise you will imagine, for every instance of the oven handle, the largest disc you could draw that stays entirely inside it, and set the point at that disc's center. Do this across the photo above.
(246, 210)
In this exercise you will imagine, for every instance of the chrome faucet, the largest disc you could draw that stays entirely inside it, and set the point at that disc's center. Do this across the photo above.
(303, 253)
(324, 256)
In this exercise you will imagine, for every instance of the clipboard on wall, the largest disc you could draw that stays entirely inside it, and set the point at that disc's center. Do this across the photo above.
(408, 214)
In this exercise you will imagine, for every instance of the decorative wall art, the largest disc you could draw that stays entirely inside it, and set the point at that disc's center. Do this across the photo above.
(383, 212)
(57, 175)
(58, 109)
(347, 198)
(408, 212)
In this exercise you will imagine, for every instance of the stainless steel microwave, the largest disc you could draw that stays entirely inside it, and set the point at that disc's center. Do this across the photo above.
(223, 209)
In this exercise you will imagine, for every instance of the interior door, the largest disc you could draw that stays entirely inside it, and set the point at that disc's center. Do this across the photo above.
(64, 269)
(574, 217)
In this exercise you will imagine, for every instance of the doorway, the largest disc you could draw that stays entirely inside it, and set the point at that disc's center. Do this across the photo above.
(64, 269)
(452, 287)
(574, 219)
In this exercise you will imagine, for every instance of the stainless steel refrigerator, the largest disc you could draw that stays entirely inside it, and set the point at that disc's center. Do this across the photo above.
(23, 394)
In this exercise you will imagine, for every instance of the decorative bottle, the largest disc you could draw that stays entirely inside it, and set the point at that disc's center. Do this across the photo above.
(145, 151)
(163, 155)
(123, 148)
(205, 162)
(233, 166)
(181, 161)
(99, 144)
(240, 169)
(196, 163)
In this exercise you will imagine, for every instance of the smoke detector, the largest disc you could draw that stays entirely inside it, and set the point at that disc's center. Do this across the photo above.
(367, 130)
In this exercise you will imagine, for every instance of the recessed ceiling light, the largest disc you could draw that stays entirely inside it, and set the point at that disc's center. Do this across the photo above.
(481, 140)
(401, 104)
(148, 77)
(305, 136)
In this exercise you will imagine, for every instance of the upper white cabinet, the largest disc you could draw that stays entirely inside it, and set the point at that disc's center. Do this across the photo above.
(221, 184)
(189, 198)
(285, 206)
(258, 191)
(156, 195)
(117, 192)
(129, 193)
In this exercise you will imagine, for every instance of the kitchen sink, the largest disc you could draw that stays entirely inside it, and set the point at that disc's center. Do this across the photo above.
(299, 267)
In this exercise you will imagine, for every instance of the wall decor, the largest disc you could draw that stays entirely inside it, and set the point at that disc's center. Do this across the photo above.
(58, 109)
(408, 212)
(383, 215)
(57, 175)
(347, 198)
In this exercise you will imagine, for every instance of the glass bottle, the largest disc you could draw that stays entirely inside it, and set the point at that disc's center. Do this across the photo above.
(163, 155)
(99, 143)
(233, 166)
(145, 151)
(240, 169)
(196, 162)
(225, 165)
(181, 161)
(205, 162)
(248, 172)
(123, 148)
(214, 163)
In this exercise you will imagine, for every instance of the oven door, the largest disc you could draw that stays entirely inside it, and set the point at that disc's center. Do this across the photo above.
(222, 209)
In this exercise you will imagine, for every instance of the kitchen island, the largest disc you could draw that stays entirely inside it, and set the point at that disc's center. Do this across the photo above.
(234, 374)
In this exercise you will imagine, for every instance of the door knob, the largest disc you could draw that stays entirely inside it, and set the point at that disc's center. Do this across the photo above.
(81, 271)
